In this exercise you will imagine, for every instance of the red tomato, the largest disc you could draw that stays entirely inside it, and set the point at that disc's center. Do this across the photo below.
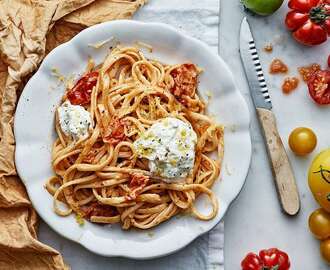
(319, 86)
(309, 20)
(251, 262)
(80, 94)
(268, 259)
(115, 132)
(274, 258)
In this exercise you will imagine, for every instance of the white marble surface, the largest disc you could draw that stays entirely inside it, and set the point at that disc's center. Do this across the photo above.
(255, 220)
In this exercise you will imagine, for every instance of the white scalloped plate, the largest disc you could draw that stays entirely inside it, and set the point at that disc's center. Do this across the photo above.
(34, 133)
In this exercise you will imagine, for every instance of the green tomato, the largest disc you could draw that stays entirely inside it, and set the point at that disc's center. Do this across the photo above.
(262, 7)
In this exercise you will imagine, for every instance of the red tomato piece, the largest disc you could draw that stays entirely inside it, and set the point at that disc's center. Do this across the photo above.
(289, 84)
(185, 81)
(251, 262)
(80, 93)
(116, 132)
(274, 258)
(319, 87)
(278, 66)
(137, 183)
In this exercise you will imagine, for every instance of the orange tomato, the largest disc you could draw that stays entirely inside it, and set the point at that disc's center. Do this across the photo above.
(319, 224)
(325, 250)
(302, 141)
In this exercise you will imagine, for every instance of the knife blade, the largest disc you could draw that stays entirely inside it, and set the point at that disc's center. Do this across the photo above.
(283, 175)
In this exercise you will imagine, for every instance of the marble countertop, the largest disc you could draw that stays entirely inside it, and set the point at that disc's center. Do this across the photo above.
(255, 220)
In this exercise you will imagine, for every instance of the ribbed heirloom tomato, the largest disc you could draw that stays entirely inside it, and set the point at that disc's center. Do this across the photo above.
(268, 259)
(309, 20)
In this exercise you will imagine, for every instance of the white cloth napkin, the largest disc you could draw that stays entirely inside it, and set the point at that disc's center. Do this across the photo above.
(199, 19)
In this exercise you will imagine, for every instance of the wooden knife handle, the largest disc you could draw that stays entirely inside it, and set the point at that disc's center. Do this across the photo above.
(281, 167)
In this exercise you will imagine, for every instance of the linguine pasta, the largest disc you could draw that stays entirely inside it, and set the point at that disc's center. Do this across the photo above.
(100, 176)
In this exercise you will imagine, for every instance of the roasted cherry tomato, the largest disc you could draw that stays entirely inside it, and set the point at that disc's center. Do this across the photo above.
(309, 20)
(251, 262)
(325, 250)
(268, 259)
(302, 141)
(274, 258)
(80, 94)
(319, 179)
(319, 224)
(263, 7)
(319, 87)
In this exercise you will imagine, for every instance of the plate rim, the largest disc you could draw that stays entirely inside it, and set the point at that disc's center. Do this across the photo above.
(242, 101)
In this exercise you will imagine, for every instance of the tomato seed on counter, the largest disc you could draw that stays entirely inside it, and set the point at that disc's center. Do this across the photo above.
(278, 66)
(268, 48)
(289, 84)
(307, 71)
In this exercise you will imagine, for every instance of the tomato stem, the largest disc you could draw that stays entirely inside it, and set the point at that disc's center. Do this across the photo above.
(318, 14)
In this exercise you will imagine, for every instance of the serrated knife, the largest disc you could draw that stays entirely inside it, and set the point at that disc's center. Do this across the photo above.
(281, 167)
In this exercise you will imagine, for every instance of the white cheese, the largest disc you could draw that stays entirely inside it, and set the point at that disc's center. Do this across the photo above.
(74, 120)
(169, 145)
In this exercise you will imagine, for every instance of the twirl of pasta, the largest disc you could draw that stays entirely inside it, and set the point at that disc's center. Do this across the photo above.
(100, 176)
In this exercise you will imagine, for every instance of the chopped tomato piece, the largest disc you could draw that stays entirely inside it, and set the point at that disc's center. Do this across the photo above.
(137, 183)
(319, 87)
(268, 48)
(185, 81)
(307, 71)
(290, 84)
(80, 93)
(96, 209)
(116, 132)
(278, 66)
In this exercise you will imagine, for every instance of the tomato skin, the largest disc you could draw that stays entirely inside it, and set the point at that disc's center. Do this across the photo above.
(268, 259)
(302, 5)
(251, 262)
(310, 34)
(274, 257)
(80, 93)
(319, 87)
(263, 7)
(294, 19)
(319, 224)
(309, 20)
(302, 141)
(319, 179)
(325, 250)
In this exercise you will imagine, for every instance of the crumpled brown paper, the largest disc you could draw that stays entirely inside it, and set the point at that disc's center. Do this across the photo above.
(25, 39)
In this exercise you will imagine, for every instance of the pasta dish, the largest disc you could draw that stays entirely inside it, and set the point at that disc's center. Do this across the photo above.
(134, 142)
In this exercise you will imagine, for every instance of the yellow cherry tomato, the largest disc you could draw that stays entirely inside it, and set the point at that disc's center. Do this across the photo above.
(302, 141)
(325, 250)
(319, 224)
(319, 179)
